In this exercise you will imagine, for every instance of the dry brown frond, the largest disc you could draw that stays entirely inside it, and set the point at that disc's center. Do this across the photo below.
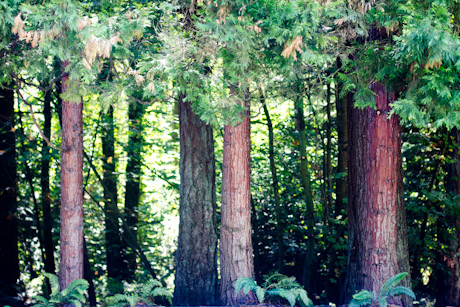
(291, 48)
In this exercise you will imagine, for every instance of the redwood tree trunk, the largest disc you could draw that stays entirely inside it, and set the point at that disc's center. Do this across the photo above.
(45, 184)
(196, 256)
(236, 254)
(9, 271)
(71, 264)
(376, 213)
(112, 225)
(133, 191)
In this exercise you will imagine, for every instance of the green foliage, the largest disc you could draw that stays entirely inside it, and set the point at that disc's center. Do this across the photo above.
(276, 285)
(388, 290)
(146, 295)
(73, 294)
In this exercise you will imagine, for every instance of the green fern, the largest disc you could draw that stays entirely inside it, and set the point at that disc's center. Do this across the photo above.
(73, 294)
(389, 289)
(275, 285)
(146, 295)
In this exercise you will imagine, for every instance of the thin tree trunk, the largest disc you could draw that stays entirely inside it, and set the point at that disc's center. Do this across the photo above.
(305, 175)
(377, 228)
(236, 253)
(196, 280)
(278, 214)
(71, 237)
(89, 276)
(342, 157)
(133, 191)
(45, 185)
(9, 272)
(112, 226)
(328, 173)
(451, 259)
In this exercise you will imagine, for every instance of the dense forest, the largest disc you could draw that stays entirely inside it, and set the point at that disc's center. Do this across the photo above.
(175, 152)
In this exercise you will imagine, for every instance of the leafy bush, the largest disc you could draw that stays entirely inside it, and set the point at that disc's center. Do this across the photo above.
(275, 285)
(146, 295)
(389, 289)
(73, 294)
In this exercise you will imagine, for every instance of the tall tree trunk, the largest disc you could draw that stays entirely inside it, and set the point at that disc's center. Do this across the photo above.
(236, 253)
(9, 272)
(342, 157)
(89, 276)
(451, 284)
(377, 246)
(278, 214)
(112, 226)
(196, 280)
(133, 191)
(305, 174)
(71, 237)
(45, 184)
(328, 173)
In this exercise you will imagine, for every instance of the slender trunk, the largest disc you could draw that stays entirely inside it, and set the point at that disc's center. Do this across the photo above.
(377, 228)
(45, 184)
(71, 237)
(9, 272)
(451, 259)
(112, 227)
(328, 173)
(133, 191)
(89, 276)
(305, 174)
(342, 157)
(236, 253)
(196, 280)
(278, 214)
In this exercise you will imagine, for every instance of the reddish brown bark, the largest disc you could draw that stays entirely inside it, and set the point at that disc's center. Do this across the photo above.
(196, 280)
(236, 254)
(9, 270)
(377, 232)
(71, 264)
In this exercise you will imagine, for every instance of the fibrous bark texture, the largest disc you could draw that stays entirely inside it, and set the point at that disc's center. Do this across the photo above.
(9, 271)
(196, 280)
(236, 254)
(71, 237)
(377, 228)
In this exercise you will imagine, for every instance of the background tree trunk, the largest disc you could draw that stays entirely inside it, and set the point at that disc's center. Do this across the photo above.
(278, 214)
(9, 272)
(377, 233)
(45, 185)
(342, 156)
(236, 253)
(133, 191)
(71, 237)
(112, 226)
(308, 196)
(196, 280)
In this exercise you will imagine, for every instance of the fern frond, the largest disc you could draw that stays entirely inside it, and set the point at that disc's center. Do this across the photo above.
(118, 300)
(286, 294)
(260, 293)
(148, 287)
(382, 301)
(391, 283)
(77, 303)
(42, 302)
(246, 283)
(162, 292)
(359, 303)
(363, 295)
(78, 285)
(133, 299)
(401, 290)
(54, 282)
(302, 297)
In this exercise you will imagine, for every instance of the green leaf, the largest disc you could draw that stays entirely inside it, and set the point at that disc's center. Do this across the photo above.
(391, 283)
(260, 293)
(286, 294)
(363, 295)
(54, 282)
(400, 290)
(382, 301)
(244, 282)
